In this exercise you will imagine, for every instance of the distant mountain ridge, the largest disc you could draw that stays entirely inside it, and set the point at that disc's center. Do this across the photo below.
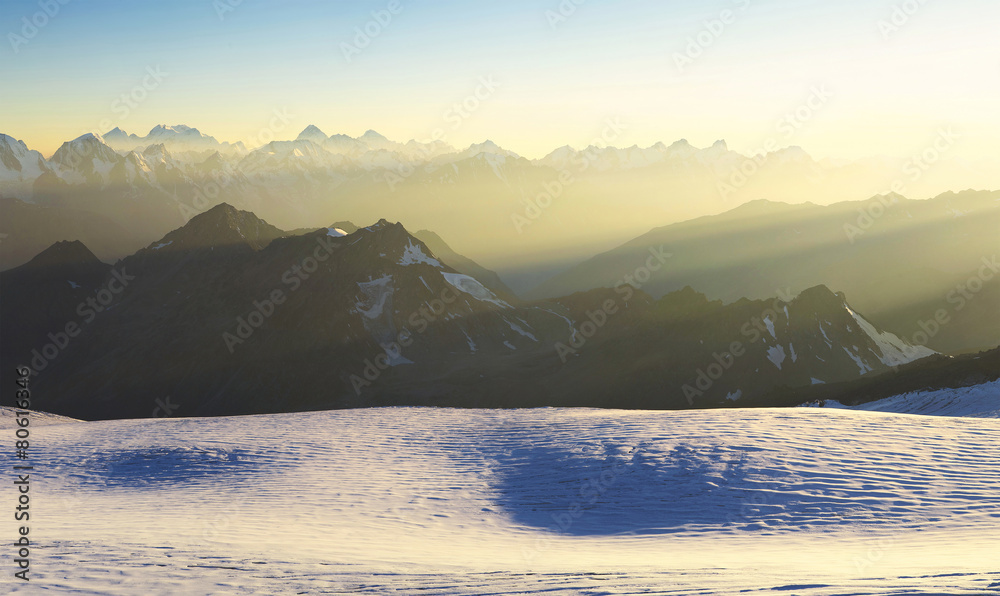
(896, 258)
(238, 318)
(509, 210)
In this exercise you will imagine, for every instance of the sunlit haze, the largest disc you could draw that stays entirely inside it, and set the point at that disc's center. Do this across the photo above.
(561, 70)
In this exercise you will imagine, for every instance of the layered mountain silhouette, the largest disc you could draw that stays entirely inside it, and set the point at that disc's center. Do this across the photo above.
(528, 218)
(230, 315)
(900, 261)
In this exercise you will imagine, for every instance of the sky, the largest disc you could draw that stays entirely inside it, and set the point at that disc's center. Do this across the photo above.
(856, 78)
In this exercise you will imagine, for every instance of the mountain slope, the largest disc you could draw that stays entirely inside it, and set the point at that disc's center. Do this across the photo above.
(19, 168)
(29, 229)
(243, 318)
(48, 304)
(938, 374)
(686, 351)
(251, 322)
(898, 268)
(464, 264)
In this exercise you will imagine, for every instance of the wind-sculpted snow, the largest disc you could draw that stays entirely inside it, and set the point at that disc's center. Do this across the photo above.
(557, 501)
(168, 464)
(980, 401)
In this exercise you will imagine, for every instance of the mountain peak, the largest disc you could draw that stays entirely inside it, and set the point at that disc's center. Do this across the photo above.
(820, 298)
(158, 150)
(371, 135)
(87, 137)
(89, 145)
(64, 252)
(222, 225)
(312, 133)
(176, 129)
(115, 133)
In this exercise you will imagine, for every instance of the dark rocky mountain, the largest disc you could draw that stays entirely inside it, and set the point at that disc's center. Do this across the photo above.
(45, 302)
(928, 374)
(228, 315)
(463, 264)
(530, 219)
(686, 351)
(899, 260)
(27, 229)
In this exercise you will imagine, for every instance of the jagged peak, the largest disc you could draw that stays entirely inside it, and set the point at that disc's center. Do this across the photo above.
(371, 135)
(159, 149)
(222, 225)
(820, 296)
(312, 130)
(177, 128)
(89, 137)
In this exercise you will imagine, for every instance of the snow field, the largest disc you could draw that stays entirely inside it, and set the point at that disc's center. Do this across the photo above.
(565, 501)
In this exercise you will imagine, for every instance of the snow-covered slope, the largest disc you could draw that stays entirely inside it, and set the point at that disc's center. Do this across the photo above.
(981, 401)
(19, 168)
(8, 418)
(554, 501)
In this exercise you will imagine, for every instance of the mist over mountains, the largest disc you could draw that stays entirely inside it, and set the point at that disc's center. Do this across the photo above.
(537, 225)
(528, 219)
(240, 317)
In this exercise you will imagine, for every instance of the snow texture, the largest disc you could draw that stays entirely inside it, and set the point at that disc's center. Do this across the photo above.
(803, 501)
(413, 254)
(981, 401)
(776, 354)
(471, 286)
(894, 350)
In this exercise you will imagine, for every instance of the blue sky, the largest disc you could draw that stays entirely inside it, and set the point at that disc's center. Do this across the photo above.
(557, 82)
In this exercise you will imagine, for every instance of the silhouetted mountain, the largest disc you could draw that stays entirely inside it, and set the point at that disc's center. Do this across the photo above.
(28, 229)
(229, 315)
(463, 264)
(899, 260)
(929, 374)
(44, 302)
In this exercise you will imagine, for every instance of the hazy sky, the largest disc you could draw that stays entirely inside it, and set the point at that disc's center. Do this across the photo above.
(881, 90)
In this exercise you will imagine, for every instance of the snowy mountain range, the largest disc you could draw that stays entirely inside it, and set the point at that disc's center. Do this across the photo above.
(245, 318)
(178, 171)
